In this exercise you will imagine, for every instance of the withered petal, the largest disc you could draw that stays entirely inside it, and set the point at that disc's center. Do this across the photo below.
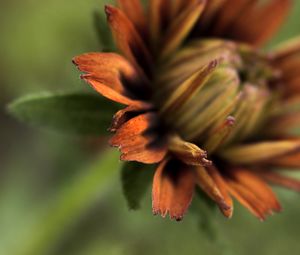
(173, 188)
(137, 142)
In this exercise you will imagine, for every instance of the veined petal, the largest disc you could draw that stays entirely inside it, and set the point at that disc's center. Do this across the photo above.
(173, 188)
(128, 39)
(138, 142)
(211, 188)
(187, 152)
(259, 152)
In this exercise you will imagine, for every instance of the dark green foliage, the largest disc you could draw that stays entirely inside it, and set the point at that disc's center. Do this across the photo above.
(73, 113)
(136, 179)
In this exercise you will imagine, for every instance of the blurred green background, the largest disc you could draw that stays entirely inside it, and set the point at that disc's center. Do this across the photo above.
(53, 197)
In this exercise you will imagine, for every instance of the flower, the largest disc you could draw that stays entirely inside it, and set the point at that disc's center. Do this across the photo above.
(203, 102)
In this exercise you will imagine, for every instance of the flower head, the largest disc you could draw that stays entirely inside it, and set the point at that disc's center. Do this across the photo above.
(201, 100)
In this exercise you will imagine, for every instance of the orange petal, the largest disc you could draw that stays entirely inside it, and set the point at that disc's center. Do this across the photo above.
(173, 188)
(247, 199)
(128, 113)
(222, 186)
(210, 187)
(138, 142)
(258, 187)
(287, 161)
(128, 39)
(104, 74)
(135, 12)
(257, 24)
(280, 180)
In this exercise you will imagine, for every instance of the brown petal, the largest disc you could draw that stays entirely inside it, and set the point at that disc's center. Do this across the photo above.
(211, 188)
(286, 49)
(181, 26)
(128, 39)
(259, 152)
(258, 187)
(104, 73)
(173, 188)
(187, 152)
(247, 199)
(138, 142)
(222, 186)
(280, 180)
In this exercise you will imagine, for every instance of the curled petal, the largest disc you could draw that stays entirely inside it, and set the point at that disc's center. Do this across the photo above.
(173, 188)
(138, 142)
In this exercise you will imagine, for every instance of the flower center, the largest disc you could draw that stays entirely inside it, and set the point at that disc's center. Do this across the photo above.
(215, 93)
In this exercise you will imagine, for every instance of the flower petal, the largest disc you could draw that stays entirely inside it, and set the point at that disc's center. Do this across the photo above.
(135, 12)
(211, 188)
(138, 141)
(105, 72)
(181, 27)
(173, 188)
(259, 152)
(258, 187)
(280, 180)
(128, 39)
(222, 186)
(247, 199)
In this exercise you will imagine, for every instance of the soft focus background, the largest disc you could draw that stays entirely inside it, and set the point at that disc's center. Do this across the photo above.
(54, 198)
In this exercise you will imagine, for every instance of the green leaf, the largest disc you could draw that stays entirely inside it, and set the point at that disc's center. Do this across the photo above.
(73, 113)
(136, 179)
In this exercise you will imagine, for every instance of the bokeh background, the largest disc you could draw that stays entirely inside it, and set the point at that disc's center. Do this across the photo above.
(55, 200)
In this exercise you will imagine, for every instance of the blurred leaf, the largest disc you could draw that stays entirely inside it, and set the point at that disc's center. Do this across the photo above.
(136, 179)
(73, 113)
(68, 206)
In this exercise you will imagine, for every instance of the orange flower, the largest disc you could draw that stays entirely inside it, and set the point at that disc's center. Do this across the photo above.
(201, 100)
